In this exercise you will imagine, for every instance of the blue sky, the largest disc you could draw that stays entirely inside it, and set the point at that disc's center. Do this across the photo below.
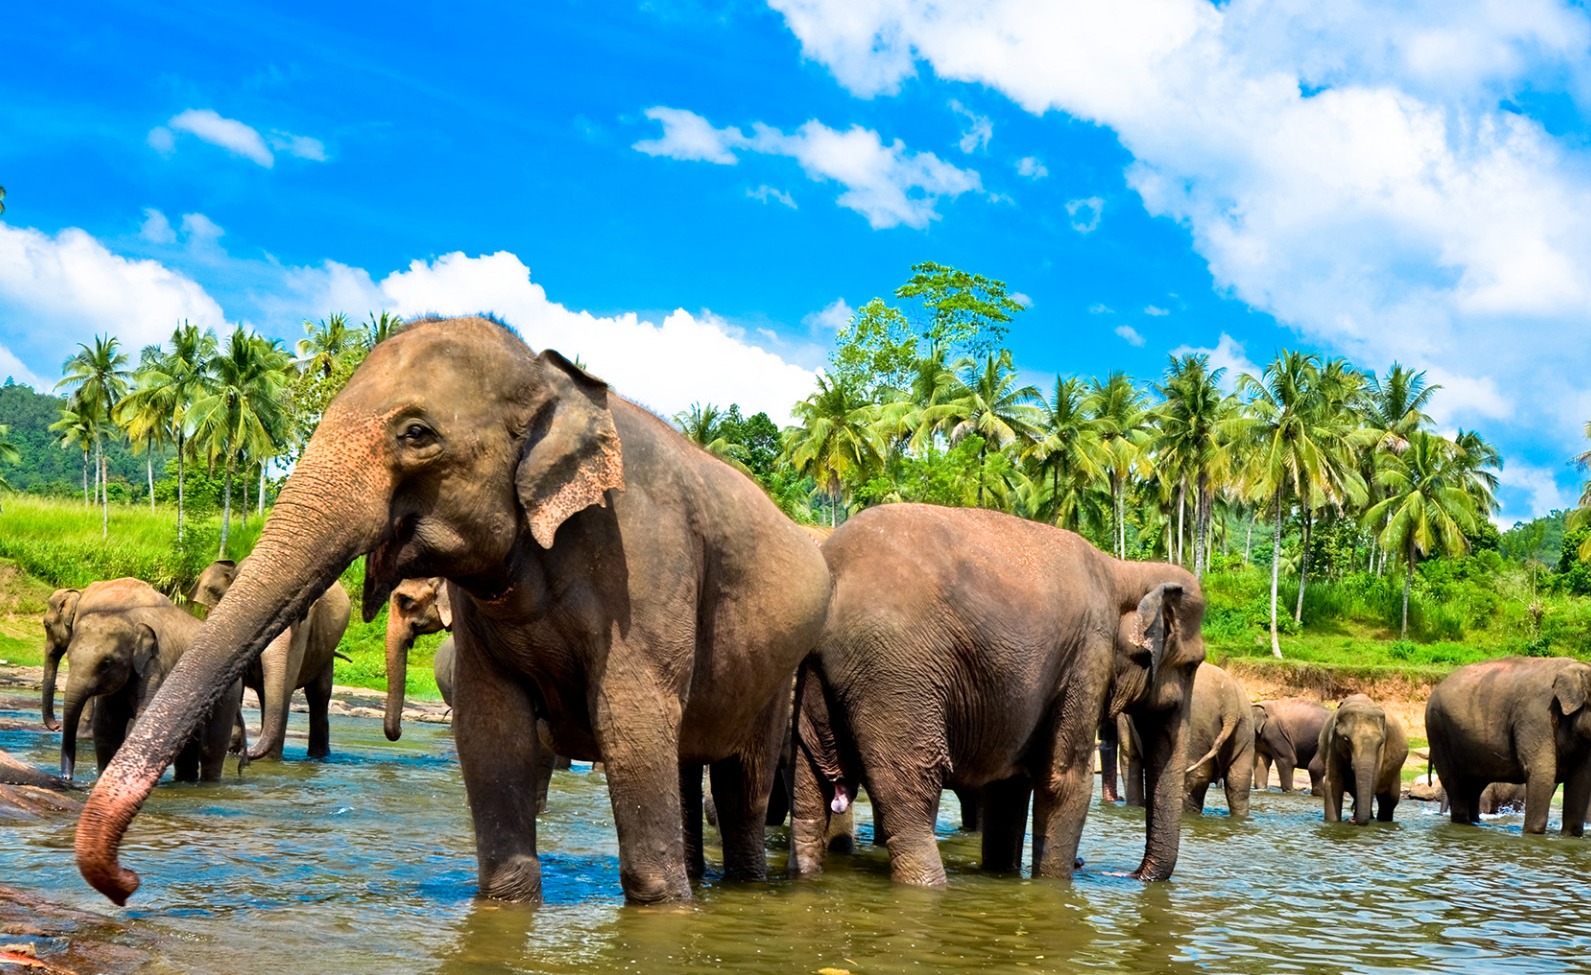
(691, 196)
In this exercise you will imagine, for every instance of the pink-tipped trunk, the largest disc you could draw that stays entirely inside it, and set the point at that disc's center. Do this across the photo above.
(279, 665)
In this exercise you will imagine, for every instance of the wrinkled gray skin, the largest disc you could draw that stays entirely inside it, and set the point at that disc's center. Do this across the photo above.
(972, 649)
(119, 660)
(647, 598)
(1362, 749)
(1287, 732)
(61, 611)
(300, 657)
(417, 607)
(442, 669)
(1220, 743)
(1519, 719)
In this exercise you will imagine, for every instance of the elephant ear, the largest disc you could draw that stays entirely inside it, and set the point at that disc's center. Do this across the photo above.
(1569, 688)
(146, 663)
(444, 605)
(572, 456)
(1152, 626)
(1261, 718)
(69, 600)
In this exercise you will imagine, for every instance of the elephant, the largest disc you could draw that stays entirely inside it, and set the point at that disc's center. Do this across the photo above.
(61, 611)
(300, 657)
(1517, 719)
(646, 598)
(1362, 750)
(119, 660)
(417, 607)
(971, 649)
(1220, 730)
(1497, 797)
(1287, 732)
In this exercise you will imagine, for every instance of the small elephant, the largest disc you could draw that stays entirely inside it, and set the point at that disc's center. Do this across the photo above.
(300, 657)
(1518, 719)
(1287, 732)
(119, 660)
(1362, 749)
(417, 607)
(1221, 733)
(62, 610)
(1498, 797)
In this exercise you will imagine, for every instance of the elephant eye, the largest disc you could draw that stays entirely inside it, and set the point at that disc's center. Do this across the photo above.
(417, 435)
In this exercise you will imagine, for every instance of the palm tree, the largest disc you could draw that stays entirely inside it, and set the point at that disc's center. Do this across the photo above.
(328, 344)
(169, 387)
(8, 453)
(1299, 451)
(1067, 451)
(704, 425)
(987, 402)
(837, 437)
(1428, 504)
(76, 432)
(380, 328)
(241, 415)
(98, 377)
(1190, 425)
(1119, 413)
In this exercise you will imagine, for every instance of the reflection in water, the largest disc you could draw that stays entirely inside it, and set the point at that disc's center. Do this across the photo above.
(366, 864)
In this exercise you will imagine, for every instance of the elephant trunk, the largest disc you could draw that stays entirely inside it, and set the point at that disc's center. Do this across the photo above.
(71, 715)
(1365, 763)
(52, 663)
(332, 509)
(1163, 738)
(400, 638)
(277, 687)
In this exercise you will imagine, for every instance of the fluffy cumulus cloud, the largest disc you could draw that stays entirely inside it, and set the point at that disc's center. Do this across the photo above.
(1228, 354)
(889, 184)
(979, 128)
(1031, 167)
(831, 317)
(768, 194)
(1129, 335)
(238, 138)
(1358, 171)
(1085, 213)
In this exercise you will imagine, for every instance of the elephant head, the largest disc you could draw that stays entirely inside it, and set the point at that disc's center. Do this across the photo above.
(1262, 717)
(417, 607)
(59, 614)
(107, 652)
(453, 451)
(1571, 693)
(213, 583)
(1159, 646)
(1356, 738)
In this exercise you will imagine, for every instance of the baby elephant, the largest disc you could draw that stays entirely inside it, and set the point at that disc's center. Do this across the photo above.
(1362, 749)
(1287, 732)
(1220, 744)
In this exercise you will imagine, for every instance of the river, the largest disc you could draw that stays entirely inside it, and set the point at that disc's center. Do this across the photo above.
(365, 863)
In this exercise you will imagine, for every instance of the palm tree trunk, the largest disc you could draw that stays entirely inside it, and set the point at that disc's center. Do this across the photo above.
(1276, 569)
(182, 485)
(149, 468)
(1303, 568)
(1182, 508)
(983, 453)
(1248, 540)
(1408, 582)
(104, 495)
(86, 502)
(226, 509)
(1201, 526)
(243, 509)
(262, 491)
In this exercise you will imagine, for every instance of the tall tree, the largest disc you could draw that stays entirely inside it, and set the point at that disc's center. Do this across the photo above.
(242, 415)
(327, 343)
(97, 376)
(381, 327)
(1428, 504)
(968, 313)
(1190, 433)
(1067, 454)
(76, 433)
(145, 422)
(169, 386)
(984, 399)
(706, 425)
(836, 437)
(8, 452)
(1119, 412)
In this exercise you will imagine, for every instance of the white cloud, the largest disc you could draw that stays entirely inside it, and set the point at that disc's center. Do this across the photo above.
(1539, 489)
(1099, 308)
(156, 228)
(831, 318)
(1345, 167)
(1227, 354)
(766, 193)
(301, 146)
(979, 128)
(12, 368)
(889, 185)
(1155, 311)
(1031, 167)
(1085, 213)
(238, 138)
(1022, 299)
(162, 140)
(1130, 334)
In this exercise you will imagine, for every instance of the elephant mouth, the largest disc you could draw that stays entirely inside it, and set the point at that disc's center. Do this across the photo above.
(843, 794)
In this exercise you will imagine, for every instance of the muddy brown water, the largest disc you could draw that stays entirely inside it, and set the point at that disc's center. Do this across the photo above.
(365, 863)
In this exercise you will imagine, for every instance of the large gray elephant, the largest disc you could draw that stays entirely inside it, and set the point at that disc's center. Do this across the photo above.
(61, 611)
(1220, 734)
(119, 660)
(971, 649)
(1287, 732)
(1519, 719)
(1362, 751)
(300, 657)
(417, 607)
(647, 598)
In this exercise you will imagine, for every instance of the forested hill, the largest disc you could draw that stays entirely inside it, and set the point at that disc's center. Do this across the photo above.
(46, 468)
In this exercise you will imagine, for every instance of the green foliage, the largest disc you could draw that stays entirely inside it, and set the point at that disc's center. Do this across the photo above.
(42, 467)
(59, 542)
(968, 313)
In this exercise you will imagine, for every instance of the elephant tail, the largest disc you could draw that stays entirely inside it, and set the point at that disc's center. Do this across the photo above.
(1228, 726)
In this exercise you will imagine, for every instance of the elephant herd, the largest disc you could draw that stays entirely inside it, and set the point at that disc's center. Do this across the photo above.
(617, 594)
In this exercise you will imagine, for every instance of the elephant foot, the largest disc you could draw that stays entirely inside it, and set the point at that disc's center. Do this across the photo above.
(517, 880)
(654, 887)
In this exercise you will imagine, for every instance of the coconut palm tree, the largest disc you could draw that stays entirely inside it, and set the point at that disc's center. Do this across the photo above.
(703, 424)
(166, 388)
(380, 328)
(837, 437)
(1067, 453)
(97, 376)
(1189, 434)
(241, 415)
(1297, 450)
(328, 343)
(986, 401)
(1428, 504)
(144, 422)
(76, 432)
(1119, 412)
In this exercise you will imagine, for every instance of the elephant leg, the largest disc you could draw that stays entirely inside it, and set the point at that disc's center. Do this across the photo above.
(1464, 799)
(1386, 802)
(216, 734)
(1238, 781)
(1135, 779)
(1005, 823)
(972, 808)
(1109, 745)
(494, 730)
(1262, 771)
(742, 784)
(809, 820)
(779, 796)
(108, 724)
(906, 811)
(1062, 794)
(1541, 781)
(841, 834)
(1195, 790)
(318, 693)
(690, 805)
(1576, 799)
(1284, 774)
(636, 718)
